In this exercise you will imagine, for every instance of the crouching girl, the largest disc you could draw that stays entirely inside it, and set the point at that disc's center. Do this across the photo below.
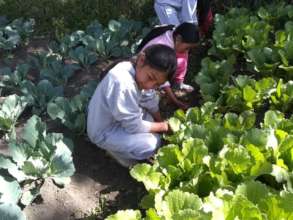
(116, 121)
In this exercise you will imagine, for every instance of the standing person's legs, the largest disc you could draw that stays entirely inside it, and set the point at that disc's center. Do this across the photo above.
(167, 14)
(205, 16)
(207, 23)
(188, 11)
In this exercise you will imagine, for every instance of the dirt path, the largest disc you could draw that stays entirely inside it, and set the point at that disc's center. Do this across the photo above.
(99, 187)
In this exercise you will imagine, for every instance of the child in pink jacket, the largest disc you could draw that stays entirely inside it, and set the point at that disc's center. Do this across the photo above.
(182, 39)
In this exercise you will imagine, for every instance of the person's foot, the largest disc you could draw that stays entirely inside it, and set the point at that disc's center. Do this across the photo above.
(122, 161)
(183, 86)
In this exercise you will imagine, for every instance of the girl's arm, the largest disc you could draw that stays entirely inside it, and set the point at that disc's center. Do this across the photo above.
(174, 99)
(157, 116)
(157, 127)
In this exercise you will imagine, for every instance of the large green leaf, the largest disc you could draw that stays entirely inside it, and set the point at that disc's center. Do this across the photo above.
(41, 94)
(169, 155)
(231, 122)
(261, 165)
(278, 207)
(12, 168)
(238, 158)
(10, 212)
(174, 123)
(194, 150)
(11, 109)
(241, 208)
(39, 155)
(71, 112)
(29, 196)
(151, 214)
(126, 214)
(19, 152)
(257, 137)
(146, 174)
(272, 119)
(33, 130)
(177, 201)
(189, 214)
(82, 55)
(253, 191)
(249, 94)
(35, 167)
(62, 163)
(10, 191)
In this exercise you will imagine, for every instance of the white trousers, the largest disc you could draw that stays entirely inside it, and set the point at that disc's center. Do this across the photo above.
(137, 146)
(169, 14)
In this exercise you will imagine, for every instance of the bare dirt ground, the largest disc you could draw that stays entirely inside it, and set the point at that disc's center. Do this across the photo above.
(100, 186)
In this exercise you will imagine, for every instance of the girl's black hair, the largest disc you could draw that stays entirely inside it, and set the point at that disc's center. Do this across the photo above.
(188, 31)
(161, 58)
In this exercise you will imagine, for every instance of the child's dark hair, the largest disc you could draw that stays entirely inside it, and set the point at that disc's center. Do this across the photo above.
(189, 33)
(162, 58)
(159, 57)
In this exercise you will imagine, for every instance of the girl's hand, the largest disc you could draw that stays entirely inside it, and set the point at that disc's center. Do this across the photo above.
(166, 126)
(182, 105)
(159, 127)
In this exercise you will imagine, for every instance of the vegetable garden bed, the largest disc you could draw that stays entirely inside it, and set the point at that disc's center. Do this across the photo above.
(228, 158)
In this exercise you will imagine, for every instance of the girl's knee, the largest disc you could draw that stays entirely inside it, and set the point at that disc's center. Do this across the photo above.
(147, 147)
(154, 141)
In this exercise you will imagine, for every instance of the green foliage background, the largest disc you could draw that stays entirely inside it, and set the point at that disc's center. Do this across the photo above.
(63, 16)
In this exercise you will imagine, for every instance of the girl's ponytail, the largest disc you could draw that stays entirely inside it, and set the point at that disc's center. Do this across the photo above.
(155, 32)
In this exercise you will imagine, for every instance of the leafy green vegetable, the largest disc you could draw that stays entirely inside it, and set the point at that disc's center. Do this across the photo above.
(58, 72)
(247, 93)
(126, 214)
(239, 31)
(11, 109)
(120, 38)
(41, 94)
(214, 76)
(34, 157)
(264, 60)
(15, 33)
(11, 212)
(83, 56)
(71, 112)
(10, 191)
(11, 80)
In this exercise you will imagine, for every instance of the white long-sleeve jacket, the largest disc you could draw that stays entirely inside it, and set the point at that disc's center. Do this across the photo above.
(116, 102)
